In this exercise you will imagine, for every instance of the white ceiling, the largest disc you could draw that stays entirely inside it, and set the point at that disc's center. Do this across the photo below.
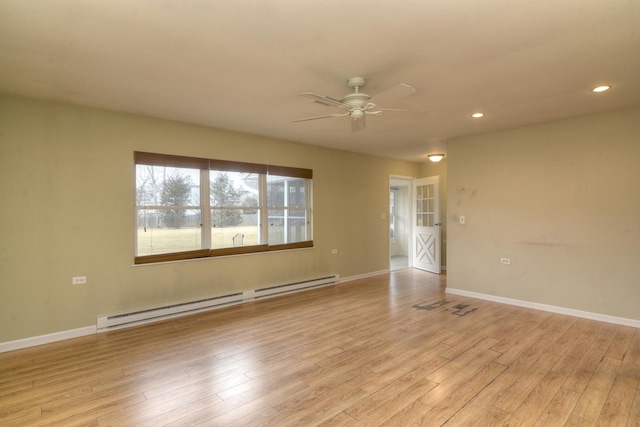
(240, 64)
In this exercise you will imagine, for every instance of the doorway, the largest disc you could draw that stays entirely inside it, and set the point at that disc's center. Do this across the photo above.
(400, 256)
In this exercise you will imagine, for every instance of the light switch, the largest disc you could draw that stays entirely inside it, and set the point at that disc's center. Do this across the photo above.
(462, 219)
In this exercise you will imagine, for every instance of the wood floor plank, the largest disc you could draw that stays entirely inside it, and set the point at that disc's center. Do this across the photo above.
(476, 407)
(616, 410)
(319, 407)
(447, 407)
(558, 410)
(620, 343)
(383, 400)
(453, 376)
(514, 396)
(568, 362)
(492, 417)
(388, 371)
(20, 416)
(634, 416)
(574, 341)
(184, 415)
(586, 366)
(394, 349)
(339, 420)
(538, 399)
(253, 400)
(410, 415)
(394, 403)
(593, 397)
(473, 356)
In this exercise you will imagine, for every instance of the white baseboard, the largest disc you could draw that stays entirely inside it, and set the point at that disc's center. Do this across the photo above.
(363, 276)
(47, 339)
(545, 307)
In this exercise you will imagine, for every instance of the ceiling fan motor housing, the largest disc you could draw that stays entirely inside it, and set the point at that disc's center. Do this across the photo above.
(356, 100)
(356, 82)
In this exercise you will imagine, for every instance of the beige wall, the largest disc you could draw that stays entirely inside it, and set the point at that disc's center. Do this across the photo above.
(562, 200)
(67, 185)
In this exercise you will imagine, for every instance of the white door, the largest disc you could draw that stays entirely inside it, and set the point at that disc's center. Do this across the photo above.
(426, 224)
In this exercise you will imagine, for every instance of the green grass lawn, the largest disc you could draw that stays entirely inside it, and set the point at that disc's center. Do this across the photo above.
(165, 240)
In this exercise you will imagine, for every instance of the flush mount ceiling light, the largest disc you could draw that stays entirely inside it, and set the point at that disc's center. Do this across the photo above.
(435, 158)
(477, 115)
(599, 89)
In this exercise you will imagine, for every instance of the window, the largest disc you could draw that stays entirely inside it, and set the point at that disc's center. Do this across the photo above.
(193, 208)
(287, 202)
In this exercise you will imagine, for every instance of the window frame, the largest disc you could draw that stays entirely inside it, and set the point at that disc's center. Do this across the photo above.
(207, 165)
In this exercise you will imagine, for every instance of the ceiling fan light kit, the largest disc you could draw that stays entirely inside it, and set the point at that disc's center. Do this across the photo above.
(357, 105)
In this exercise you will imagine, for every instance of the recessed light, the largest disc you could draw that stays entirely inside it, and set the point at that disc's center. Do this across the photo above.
(477, 115)
(600, 89)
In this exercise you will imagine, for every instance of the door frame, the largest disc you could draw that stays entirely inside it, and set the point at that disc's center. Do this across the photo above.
(408, 180)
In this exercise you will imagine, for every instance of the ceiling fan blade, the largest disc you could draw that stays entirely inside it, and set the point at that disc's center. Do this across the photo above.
(400, 110)
(358, 124)
(321, 117)
(390, 96)
(324, 100)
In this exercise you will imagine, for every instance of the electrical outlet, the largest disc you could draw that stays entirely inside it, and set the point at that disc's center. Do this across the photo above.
(79, 280)
(506, 261)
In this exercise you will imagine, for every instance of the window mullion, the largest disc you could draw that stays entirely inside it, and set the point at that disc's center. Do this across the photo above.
(205, 206)
(285, 212)
(263, 209)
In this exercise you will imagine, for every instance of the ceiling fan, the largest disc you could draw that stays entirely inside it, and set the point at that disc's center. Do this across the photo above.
(357, 105)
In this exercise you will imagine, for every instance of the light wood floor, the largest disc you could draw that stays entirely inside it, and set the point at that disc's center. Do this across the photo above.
(389, 350)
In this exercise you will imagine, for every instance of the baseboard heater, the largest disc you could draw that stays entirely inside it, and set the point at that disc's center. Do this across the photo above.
(292, 287)
(132, 318)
